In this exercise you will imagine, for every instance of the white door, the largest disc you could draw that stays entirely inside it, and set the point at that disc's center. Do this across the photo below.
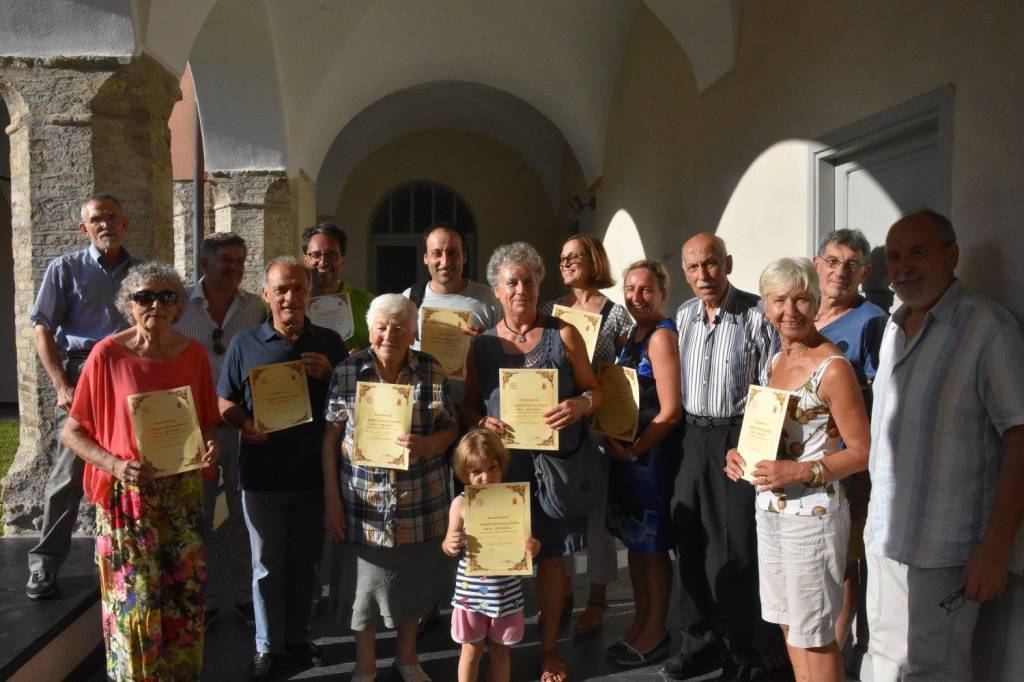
(881, 169)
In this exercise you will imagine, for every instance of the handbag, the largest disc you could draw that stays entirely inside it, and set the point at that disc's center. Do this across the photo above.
(573, 485)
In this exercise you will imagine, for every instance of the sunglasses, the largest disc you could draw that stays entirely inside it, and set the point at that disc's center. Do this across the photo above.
(146, 298)
(218, 347)
(953, 601)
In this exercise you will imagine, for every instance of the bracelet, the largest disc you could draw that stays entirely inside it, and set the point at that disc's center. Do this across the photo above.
(817, 475)
(590, 400)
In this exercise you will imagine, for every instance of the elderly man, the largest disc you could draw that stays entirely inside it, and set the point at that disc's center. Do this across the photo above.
(947, 459)
(280, 472)
(725, 343)
(855, 326)
(216, 310)
(75, 308)
(323, 248)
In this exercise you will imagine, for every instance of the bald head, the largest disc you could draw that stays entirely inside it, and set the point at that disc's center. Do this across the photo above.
(921, 256)
(706, 266)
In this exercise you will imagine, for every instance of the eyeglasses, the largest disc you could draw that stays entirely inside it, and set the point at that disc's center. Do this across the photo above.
(953, 601)
(328, 256)
(834, 263)
(218, 347)
(572, 259)
(145, 297)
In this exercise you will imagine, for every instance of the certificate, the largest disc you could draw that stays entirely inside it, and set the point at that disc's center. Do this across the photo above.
(280, 396)
(167, 430)
(497, 525)
(383, 413)
(333, 311)
(525, 395)
(619, 414)
(763, 420)
(441, 335)
(588, 324)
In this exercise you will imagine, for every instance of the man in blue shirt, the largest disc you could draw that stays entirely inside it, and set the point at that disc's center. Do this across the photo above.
(855, 325)
(280, 472)
(73, 310)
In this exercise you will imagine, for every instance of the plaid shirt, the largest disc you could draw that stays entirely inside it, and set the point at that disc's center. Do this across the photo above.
(389, 507)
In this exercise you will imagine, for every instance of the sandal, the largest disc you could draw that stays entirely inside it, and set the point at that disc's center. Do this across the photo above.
(556, 673)
(631, 658)
(591, 620)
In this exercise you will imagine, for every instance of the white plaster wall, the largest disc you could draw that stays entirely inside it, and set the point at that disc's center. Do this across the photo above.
(50, 28)
(236, 80)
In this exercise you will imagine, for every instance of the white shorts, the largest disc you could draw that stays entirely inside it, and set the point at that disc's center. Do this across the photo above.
(801, 561)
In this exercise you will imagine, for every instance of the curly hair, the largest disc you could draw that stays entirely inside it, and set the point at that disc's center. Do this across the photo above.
(516, 253)
(149, 274)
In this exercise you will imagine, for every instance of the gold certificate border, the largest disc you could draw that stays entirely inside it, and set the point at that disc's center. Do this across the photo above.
(522, 566)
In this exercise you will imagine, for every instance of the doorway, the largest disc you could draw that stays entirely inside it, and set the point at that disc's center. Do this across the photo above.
(869, 174)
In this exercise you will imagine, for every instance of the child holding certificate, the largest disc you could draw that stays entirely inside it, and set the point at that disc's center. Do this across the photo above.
(487, 610)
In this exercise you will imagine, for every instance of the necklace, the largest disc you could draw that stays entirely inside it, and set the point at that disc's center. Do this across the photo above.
(520, 337)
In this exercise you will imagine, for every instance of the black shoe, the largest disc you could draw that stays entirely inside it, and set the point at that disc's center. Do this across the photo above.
(631, 658)
(745, 673)
(247, 612)
(305, 653)
(41, 585)
(262, 666)
(616, 649)
(696, 668)
(210, 616)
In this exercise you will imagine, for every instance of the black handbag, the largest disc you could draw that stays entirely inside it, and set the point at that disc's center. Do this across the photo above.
(573, 485)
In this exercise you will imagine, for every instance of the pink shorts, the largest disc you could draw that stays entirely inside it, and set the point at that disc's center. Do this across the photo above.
(470, 626)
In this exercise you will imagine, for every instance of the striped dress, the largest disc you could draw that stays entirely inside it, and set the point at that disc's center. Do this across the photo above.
(494, 596)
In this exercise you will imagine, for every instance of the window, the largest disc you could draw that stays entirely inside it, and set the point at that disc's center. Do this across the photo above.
(396, 232)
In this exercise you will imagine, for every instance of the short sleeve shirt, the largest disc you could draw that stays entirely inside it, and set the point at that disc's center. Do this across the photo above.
(941, 405)
(858, 335)
(290, 459)
(390, 507)
(111, 374)
(77, 300)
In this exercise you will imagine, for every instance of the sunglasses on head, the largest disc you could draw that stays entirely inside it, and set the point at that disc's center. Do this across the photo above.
(218, 347)
(146, 297)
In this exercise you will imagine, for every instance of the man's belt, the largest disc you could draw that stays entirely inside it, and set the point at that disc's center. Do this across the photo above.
(712, 422)
(78, 355)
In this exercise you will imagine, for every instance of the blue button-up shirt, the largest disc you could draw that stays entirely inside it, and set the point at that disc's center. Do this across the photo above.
(77, 298)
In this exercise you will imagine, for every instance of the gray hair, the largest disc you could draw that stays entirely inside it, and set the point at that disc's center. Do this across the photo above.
(148, 273)
(511, 255)
(853, 239)
(393, 305)
(790, 274)
(214, 241)
(290, 261)
(98, 197)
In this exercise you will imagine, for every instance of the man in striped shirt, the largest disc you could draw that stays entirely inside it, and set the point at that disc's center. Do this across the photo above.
(947, 461)
(725, 343)
(215, 311)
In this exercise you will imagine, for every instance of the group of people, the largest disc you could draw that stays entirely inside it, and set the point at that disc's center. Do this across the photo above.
(942, 380)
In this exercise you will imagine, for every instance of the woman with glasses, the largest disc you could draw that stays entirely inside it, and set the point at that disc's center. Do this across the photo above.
(803, 518)
(148, 543)
(584, 267)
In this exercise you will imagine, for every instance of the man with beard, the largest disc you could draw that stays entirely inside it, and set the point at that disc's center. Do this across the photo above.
(323, 247)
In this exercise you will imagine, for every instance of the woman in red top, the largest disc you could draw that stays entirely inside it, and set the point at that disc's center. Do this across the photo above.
(148, 544)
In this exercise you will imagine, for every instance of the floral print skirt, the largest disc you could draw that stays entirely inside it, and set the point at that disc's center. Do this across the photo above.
(152, 570)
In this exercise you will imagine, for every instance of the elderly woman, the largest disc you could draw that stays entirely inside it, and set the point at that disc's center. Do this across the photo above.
(803, 519)
(527, 338)
(583, 264)
(391, 565)
(148, 543)
(643, 471)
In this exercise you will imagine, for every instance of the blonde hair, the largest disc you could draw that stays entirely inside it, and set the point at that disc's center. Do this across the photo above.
(657, 268)
(790, 274)
(476, 445)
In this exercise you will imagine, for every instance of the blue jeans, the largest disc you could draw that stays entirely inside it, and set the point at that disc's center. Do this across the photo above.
(285, 532)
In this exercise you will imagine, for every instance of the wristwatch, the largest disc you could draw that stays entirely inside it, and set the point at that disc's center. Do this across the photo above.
(633, 457)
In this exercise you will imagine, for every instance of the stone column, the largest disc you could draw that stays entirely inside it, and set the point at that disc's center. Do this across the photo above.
(78, 126)
(184, 253)
(256, 205)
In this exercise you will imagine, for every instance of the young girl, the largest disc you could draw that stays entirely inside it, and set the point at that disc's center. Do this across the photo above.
(488, 611)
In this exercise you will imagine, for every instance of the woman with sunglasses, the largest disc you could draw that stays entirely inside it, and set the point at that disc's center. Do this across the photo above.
(584, 267)
(148, 543)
